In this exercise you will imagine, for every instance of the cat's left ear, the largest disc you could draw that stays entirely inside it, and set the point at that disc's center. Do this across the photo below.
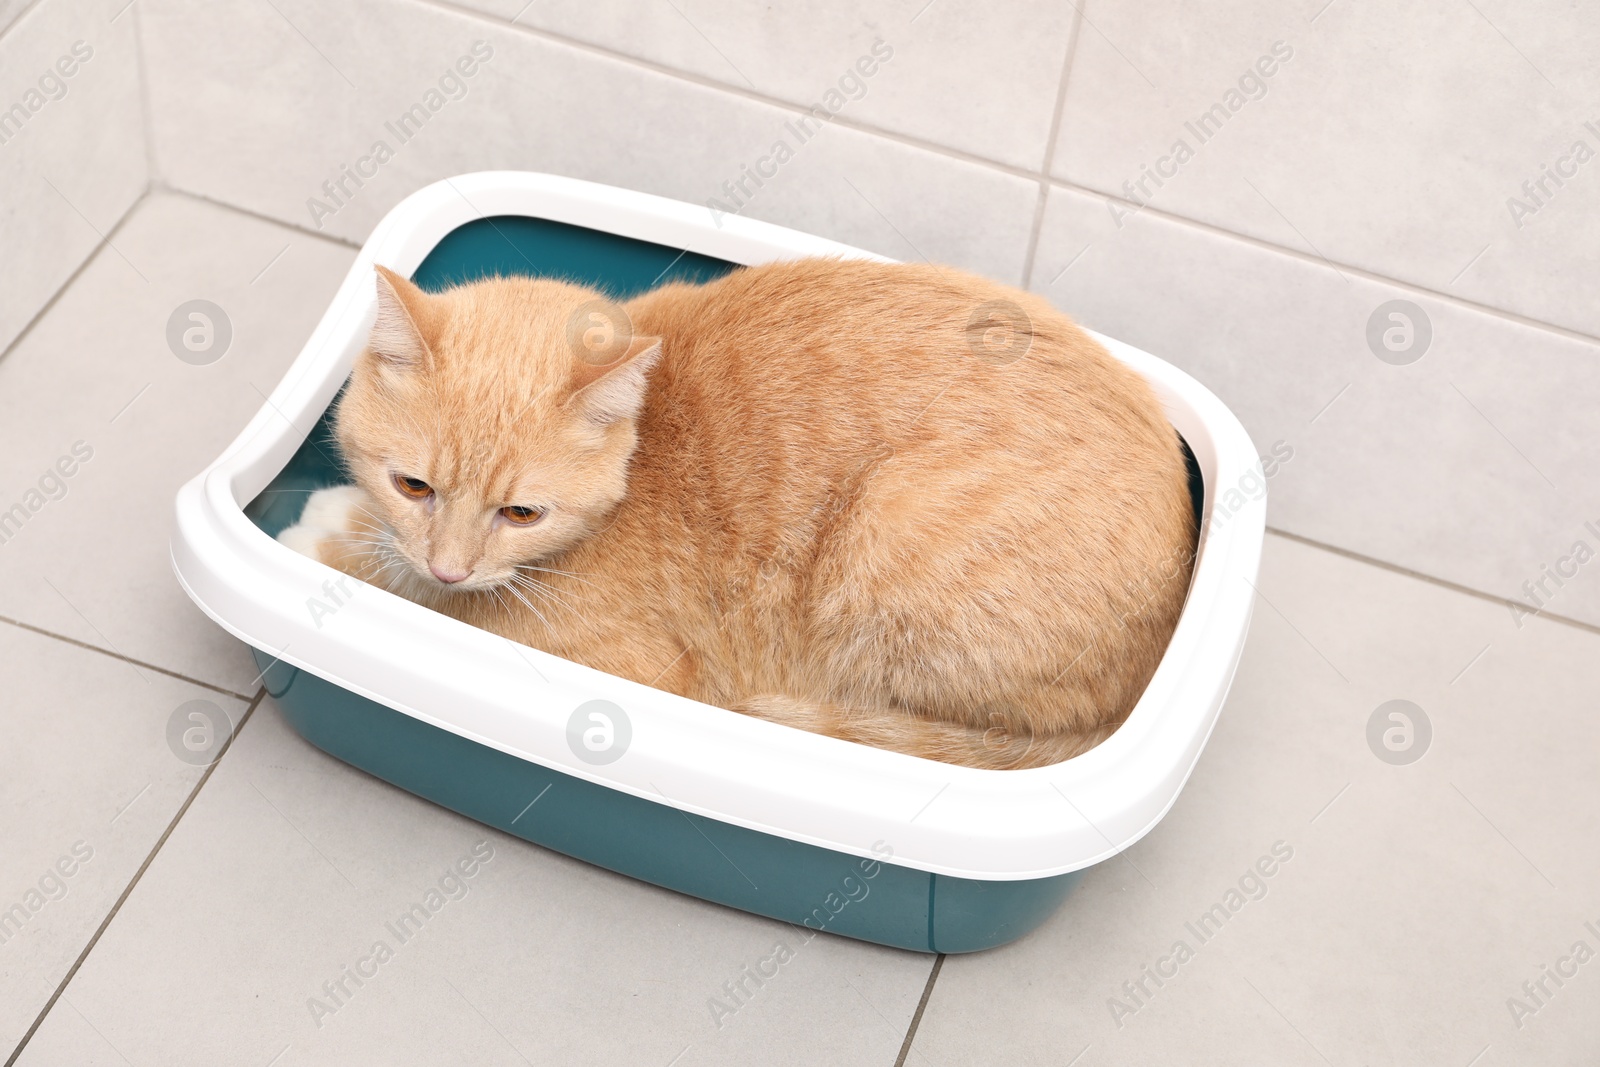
(616, 392)
(407, 319)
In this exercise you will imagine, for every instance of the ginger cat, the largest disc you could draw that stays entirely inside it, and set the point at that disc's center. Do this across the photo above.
(896, 504)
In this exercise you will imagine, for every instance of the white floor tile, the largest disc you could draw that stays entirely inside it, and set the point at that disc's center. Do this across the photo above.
(288, 867)
(88, 784)
(1418, 898)
(89, 556)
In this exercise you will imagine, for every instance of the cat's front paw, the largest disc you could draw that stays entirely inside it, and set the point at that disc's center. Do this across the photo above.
(331, 518)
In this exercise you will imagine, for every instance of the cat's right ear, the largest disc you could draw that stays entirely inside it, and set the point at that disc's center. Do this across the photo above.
(407, 318)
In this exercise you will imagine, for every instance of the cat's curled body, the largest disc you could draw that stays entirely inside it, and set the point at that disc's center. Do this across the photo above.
(828, 496)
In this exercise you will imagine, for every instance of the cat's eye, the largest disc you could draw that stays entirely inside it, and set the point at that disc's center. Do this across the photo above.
(415, 488)
(521, 516)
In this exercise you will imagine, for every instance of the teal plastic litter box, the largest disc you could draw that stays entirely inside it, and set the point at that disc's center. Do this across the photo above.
(807, 829)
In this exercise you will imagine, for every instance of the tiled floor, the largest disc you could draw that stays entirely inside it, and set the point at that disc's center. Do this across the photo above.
(1407, 903)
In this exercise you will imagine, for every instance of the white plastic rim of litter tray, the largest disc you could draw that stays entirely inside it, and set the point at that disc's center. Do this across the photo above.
(960, 821)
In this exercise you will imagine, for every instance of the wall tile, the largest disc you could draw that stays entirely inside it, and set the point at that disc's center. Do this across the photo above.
(1392, 140)
(10, 11)
(1465, 464)
(76, 163)
(981, 78)
(249, 112)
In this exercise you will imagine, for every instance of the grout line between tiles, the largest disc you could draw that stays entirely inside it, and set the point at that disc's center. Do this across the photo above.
(1319, 261)
(916, 1017)
(147, 116)
(1349, 553)
(1013, 170)
(1050, 149)
(161, 186)
(66, 283)
(753, 95)
(128, 890)
(1445, 583)
(1041, 176)
(17, 19)
(41, 631)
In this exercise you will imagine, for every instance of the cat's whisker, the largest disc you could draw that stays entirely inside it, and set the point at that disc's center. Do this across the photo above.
(387, 565)
(525, 602)
(372, 537)
(552, 570)
(388, 560)
(542, 588)
(562, 575)
(555, 603)
(544, 592)
(541, 594)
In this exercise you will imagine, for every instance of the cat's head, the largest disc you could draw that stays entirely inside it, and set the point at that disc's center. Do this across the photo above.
(492, 424)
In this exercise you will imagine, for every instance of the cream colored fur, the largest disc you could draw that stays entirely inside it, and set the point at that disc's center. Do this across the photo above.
(840, 495)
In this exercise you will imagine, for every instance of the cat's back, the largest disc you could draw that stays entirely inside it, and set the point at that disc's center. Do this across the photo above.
(933, 484)
(842, 351)
(783, 388)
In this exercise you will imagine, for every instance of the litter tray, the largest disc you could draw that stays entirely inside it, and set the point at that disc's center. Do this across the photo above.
(811, 830)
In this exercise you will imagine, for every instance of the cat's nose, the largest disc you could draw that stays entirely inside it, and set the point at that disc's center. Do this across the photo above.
(447, 577)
